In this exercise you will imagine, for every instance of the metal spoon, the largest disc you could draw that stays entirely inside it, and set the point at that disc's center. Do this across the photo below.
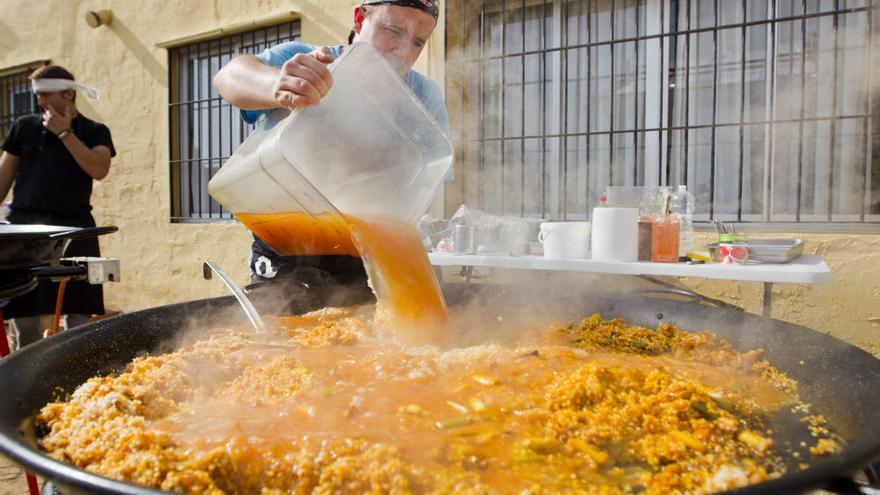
(245, 303)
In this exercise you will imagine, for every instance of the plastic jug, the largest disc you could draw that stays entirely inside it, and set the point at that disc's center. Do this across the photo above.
(683, 204)
(368, 149)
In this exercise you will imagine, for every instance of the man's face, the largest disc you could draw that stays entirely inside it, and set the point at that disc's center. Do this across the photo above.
(58, 99)
(399, 33)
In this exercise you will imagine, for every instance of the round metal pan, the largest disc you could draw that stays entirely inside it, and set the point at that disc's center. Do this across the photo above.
(839, 380)
(25, 246)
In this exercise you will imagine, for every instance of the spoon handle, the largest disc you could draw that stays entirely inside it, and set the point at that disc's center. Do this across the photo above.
(243, 300)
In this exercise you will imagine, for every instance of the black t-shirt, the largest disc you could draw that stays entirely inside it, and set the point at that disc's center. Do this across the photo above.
(49, 180)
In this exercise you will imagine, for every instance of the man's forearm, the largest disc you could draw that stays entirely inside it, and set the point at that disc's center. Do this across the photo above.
(247, 83)
(8, 171)
(94, 163)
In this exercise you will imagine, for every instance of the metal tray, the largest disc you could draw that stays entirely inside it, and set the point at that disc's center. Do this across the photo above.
(775, 250)
(768, 250)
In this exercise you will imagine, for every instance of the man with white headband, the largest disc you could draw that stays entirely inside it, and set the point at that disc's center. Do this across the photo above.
(52, 159)
(294, 74)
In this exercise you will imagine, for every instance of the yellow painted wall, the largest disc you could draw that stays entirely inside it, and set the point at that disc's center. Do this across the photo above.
(161, 261)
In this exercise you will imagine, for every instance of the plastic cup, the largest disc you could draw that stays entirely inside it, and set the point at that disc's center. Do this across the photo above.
(565, 240)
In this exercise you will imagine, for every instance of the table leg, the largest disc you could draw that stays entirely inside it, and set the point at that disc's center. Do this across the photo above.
(768, 299)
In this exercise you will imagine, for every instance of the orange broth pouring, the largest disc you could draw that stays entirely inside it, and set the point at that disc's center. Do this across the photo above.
(408, 294)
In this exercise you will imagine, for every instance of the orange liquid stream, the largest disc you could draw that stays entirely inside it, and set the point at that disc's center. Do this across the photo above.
(408, 295)
(297, 233)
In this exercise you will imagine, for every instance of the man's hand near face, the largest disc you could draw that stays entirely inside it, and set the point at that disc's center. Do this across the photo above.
(56, 122)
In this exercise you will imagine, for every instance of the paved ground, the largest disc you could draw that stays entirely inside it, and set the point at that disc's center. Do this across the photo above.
(12, 480)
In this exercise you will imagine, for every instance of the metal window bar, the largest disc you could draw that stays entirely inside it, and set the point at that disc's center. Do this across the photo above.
(611, 150)
(562, 174)
(681, 27)
(588, 150)
(503, 102)
(522, 142)
(714, 138)
(205, 130)
(866, 128)
(636, 96)
(17, 98)
(834, 127)
(800, 158)
(742, 114)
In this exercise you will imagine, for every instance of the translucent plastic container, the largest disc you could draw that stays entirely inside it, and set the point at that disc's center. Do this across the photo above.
(650, 200)
(368, 149)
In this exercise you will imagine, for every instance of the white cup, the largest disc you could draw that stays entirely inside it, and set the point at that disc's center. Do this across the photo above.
(565, 239)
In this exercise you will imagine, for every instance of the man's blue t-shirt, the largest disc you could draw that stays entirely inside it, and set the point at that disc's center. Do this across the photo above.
(424, 88)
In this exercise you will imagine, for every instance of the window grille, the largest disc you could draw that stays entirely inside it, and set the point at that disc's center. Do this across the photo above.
(17, 98)
(204, 128)
(763, 108)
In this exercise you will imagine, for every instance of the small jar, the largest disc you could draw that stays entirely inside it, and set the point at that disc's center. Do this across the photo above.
(646, 237)
(732, 249)
(463, 239)
(658, 238)
(664, 246)
(741, 242)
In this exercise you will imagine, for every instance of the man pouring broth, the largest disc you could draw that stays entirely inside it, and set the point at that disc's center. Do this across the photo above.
(294, 74)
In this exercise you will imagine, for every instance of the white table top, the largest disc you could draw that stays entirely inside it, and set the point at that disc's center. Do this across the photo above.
(808, 269)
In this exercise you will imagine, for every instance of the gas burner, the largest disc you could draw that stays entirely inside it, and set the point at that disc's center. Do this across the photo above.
(16, 282)
(97, 270)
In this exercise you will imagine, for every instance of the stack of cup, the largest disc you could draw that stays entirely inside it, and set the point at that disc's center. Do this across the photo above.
(615, 234)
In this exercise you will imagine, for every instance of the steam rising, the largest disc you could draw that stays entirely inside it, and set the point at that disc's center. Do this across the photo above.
(504, 318)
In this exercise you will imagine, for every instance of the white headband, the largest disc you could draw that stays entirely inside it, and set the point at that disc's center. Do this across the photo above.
(49, 84)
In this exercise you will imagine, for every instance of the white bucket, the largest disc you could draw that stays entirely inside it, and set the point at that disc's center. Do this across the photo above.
(615, 234)
(563, 240)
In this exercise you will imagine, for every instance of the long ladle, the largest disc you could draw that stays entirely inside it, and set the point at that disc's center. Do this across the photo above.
(242, 299)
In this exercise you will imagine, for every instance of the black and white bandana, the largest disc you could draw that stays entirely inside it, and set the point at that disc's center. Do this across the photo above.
(429, 6)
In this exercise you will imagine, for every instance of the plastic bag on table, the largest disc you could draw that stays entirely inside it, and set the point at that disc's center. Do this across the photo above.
(436, 234)
(496, 234)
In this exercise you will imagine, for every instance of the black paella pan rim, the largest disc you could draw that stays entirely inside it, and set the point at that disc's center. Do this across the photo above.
(29, 379)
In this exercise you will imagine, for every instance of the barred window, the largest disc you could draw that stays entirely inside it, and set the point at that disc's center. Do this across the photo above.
(17, 98)
(763, 108)
(205, 129)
